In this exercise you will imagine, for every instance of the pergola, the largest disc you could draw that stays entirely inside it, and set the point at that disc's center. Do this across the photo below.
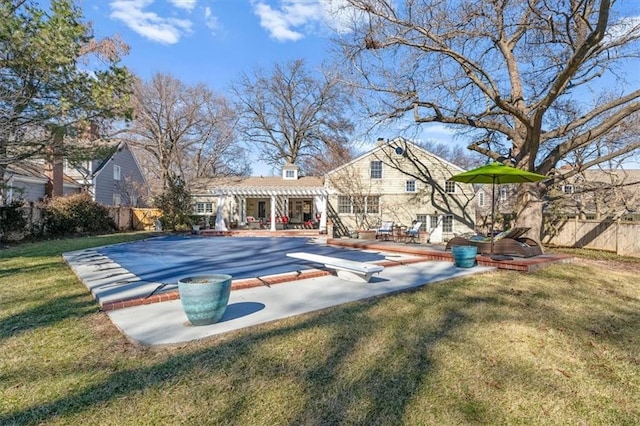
(276, 195)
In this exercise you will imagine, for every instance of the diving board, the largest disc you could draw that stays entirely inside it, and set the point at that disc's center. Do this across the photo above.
(349, 270)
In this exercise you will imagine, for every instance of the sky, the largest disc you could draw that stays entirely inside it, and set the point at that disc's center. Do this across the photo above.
(215, 41)
(212, 41)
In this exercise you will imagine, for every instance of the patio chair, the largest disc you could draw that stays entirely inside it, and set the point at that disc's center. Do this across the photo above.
(385, 232)
(509, 243)
(413, 233)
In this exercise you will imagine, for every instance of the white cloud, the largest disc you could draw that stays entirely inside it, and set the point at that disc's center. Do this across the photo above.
(291, 18)
(210, 20)
(184, 4)
(149, 24)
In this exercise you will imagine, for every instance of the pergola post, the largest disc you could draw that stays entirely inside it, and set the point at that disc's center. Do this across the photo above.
(273, 212)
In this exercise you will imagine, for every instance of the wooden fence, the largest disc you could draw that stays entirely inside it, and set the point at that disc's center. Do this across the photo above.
(132, 218)
(620, 237)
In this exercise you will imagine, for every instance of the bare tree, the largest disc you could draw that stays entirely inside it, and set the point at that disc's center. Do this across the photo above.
(186, 131)
(292, 116)
(524, 80)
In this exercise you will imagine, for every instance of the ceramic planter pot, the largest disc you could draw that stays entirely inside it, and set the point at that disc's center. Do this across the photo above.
(204, 298)
(464, 256)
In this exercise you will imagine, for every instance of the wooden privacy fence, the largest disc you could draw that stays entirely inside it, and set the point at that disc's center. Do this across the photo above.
(623, 238)
(145, 219)
(132, 218)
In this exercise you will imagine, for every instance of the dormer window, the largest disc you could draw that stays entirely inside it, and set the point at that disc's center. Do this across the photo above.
(290, 172)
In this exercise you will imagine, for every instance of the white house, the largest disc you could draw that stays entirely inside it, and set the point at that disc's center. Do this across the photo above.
(401, 182)
(396, 181)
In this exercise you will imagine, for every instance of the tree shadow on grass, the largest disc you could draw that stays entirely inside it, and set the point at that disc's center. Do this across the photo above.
(376, 357)
(46, 314)
(393, 374)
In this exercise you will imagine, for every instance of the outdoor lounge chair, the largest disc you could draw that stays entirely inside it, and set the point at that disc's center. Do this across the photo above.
(413, 234)
(385, 232)
(508, 243)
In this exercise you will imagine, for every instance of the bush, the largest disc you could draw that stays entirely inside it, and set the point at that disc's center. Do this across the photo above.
(12, 219)
(176, 205)
(76, 214)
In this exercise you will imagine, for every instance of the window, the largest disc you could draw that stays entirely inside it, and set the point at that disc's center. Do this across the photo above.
(289, 174)
(116, 199)
(358, 204)
(568, 189)
(447, 223)
(410, 186)
(423, 218)
(480, 199)
(344, 204)
(116, 172)
(503, 194)
(373, 204)
(203, 208)
(376, 170)
(450, 187)
(433, 221)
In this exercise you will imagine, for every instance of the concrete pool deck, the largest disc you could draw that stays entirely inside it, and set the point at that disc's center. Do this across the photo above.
(165, 323)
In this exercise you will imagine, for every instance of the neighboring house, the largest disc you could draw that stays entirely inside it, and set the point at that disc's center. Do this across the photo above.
(598, 194)
(263, 201)
(29, 182)
(401, 182)
(505, 196)
(114, 180)
(593, 194)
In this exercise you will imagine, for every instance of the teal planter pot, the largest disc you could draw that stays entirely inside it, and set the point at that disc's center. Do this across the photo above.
(464, 256)
(204, 298)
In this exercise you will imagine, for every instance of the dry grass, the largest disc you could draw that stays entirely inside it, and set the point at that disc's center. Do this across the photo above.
(559, 346)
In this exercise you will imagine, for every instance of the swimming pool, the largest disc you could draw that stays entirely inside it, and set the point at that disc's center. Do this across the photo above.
(170, 258)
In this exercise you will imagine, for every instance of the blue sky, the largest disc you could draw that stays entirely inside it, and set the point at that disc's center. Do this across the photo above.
(212, 41)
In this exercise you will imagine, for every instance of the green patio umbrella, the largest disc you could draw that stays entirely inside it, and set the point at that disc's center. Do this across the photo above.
(496, 173)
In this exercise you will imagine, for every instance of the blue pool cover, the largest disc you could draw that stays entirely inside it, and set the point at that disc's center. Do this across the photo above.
(168, 259)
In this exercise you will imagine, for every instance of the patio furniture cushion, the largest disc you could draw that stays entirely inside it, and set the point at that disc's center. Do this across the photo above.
(510, 242)
(385, 231)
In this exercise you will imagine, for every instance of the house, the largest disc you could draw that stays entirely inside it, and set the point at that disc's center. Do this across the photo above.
(28, 181)
(113, 179)
(263, 201)
(396, 181)
(597, 194)
(593, 194)
(401, 182)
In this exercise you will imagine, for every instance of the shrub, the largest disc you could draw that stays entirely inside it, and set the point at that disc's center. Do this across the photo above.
(176, 205)
(76, 214)
(12, 219)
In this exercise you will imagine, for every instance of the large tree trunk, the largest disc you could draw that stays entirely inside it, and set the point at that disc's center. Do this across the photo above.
(528, 208)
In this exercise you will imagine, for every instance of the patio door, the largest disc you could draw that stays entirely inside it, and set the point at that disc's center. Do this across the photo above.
(262, 209)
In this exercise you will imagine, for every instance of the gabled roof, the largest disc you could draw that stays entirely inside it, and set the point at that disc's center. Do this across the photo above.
(399, 141)
(109, 155)
(33, 171)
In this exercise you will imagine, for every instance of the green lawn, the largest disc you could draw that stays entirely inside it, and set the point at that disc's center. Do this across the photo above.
(559, 346)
